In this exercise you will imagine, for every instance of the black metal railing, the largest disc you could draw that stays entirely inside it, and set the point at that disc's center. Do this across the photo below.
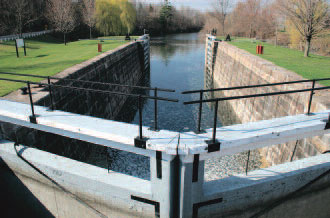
(49, 78)
(140, 141)
(214, 142)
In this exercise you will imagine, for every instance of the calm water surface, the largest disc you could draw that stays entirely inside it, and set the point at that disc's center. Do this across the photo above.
(177, 62)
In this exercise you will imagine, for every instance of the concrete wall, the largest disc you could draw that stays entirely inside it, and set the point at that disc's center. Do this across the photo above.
(231, 66)
(127, 64)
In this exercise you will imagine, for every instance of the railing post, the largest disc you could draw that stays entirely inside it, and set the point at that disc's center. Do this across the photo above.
(213, 144)
(247, 163)
(140, 117)
(140, 141)
(50, 95)
(200, 112)
(156, 109)
(294, 151)
(33, 118)
(215, 121)
(311, 98)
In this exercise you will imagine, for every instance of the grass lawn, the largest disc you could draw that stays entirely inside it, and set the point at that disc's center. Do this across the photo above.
(310, 68)
(46, 56)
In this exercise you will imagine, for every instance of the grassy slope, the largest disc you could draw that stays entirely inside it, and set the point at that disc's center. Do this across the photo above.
(311, 68)
(45, 56)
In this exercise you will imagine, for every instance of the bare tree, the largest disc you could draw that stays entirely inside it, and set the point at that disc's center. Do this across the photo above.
(89, 15)
(22, 11)
(308, 16)
(222, 8)
(62, 15)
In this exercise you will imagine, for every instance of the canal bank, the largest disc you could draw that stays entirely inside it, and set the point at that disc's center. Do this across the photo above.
(232, 67)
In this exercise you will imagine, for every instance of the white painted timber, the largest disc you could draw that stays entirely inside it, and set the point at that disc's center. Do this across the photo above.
(234, 139)
(108, 133)
(249, 136)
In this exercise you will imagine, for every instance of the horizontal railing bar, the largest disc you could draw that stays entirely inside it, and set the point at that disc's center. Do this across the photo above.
(256, 95)
(253, 86)
(92, 90)
(92, 82)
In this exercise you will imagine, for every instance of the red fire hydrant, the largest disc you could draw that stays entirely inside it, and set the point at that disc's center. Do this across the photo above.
(99, 47)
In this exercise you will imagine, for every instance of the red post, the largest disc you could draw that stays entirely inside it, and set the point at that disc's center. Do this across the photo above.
(261, 49)
(257, 51)
(99, 47)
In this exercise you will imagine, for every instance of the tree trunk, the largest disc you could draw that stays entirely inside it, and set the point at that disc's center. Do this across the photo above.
(90, 32)
(223, 28)
(64, 40)
(307, 47)
(276, 37)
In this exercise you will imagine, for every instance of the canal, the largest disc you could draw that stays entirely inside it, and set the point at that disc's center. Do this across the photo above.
(177, 62)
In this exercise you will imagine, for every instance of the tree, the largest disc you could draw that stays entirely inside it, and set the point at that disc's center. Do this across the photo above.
(166, 13)
(115, 16)
(22, 12)
(308, 17)
(62, 15)
(128, 15)
(222, 8)
(89, 14)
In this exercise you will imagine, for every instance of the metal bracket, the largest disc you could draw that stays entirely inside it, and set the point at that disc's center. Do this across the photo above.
(33, 119)
(159, 164)
(143, 200)
(200, 132)
(195, 168)
(202, 204)
(327, 126)
(213, 146)
(140, 143)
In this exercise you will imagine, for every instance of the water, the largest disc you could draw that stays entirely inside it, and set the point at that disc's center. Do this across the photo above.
(177, 62)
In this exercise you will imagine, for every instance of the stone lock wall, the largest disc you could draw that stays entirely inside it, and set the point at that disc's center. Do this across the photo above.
(125, 65)
(231, 66)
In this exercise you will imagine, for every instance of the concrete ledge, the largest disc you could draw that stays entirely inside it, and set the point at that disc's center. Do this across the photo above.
(241, 193)
(233, 139)
(113, 190)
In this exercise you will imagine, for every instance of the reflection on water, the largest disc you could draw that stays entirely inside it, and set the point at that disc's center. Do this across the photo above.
(177, 62)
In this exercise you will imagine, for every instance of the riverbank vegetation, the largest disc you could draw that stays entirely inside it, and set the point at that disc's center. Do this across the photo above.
(74, 20)
(46, 56)
(311, 68)
(299, 24)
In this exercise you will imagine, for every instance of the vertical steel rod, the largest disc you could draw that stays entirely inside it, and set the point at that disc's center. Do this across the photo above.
(294, 151)
(156, 109)
(31, 100)
(200, 111)
(51, 95)
(247, 163)
(311, 98)
(17, 54)
(140, 117)
(215, 121)
(24, 49)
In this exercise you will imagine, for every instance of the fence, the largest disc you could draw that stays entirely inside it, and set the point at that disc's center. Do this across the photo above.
(24, 35)
(139, 141)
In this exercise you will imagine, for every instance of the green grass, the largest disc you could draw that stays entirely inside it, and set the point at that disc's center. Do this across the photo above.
(46, 56)
(313, 67)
